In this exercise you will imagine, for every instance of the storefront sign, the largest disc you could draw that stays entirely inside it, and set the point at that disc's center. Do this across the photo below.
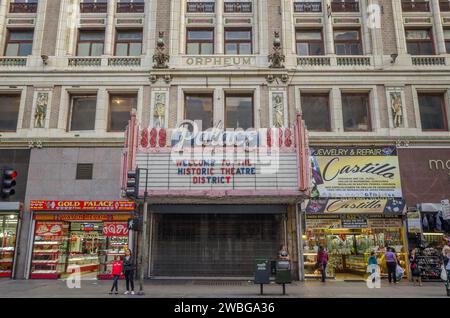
(323, 223)
(354, 224)
(355, 172)
(414, 222)
(115, 229)
(49, 229)
(80, 206)
(81, 217)
(384, 223)
(350, 206)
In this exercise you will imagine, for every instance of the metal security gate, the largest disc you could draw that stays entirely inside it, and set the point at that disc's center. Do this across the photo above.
(213, 245)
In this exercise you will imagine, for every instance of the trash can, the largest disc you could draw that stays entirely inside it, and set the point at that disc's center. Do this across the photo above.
(262, 271)
(284, 274)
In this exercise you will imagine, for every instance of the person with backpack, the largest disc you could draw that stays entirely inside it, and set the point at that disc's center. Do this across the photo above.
(322, 262)
(116, 271)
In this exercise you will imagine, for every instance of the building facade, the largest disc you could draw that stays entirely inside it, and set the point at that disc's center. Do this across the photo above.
(370, 78)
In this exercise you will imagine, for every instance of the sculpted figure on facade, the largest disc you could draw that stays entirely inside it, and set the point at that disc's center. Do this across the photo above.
(40, 113)
(397, 109)
(278, 111)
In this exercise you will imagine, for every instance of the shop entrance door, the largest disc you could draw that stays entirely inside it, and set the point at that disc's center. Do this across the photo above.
(213, 245)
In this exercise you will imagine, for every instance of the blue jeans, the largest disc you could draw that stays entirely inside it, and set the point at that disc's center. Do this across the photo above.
(115, 283)
(324, 272)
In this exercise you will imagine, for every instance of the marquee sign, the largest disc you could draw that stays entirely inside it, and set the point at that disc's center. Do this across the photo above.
(80, 206)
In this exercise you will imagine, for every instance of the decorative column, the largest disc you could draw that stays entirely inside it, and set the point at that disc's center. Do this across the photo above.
(39, 28)
(365, 29)
(399, 27)
(438, 27)
(328, 25)
(3, 10)
(109, 31)
(220, 32)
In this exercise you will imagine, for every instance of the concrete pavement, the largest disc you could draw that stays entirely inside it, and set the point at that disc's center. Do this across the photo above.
(218, 289)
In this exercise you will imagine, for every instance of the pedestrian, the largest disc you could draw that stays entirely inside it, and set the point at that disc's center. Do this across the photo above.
(283, 254)
(116, 271)
(446, 267)
(322, 262)
(391, 262)
(128, 270)
(415, 269)
(372, 265)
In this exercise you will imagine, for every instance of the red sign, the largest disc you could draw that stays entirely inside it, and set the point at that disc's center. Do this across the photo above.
(115, 229)
(100, 206)
(48, 229)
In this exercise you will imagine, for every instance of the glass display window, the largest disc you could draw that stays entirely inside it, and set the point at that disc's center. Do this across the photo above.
(8, 234)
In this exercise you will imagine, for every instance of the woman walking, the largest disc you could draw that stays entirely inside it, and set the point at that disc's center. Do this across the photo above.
(128, 270)
(391, 262)
(415, 270)
(322, 262)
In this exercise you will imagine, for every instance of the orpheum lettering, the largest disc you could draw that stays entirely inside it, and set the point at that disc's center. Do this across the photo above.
(220, 61)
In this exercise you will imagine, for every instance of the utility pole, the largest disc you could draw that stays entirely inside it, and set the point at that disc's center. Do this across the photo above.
(143, 235)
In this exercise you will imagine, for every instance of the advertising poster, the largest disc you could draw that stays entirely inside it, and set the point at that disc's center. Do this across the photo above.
(355, 172)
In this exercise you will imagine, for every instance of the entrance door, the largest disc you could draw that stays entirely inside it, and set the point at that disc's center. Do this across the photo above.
(213, 245)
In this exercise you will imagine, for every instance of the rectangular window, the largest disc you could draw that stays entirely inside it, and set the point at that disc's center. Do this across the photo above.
(200, 41)
(348, 42)
(238, 41)
(9, 112)
(239, 111)
(128, 43)
(447, 39)
(316, 111)
(19, 43)
(432, 112)
(419, 42)
(199, 107)
(120, 111)
(309, 42)
(356, 112)
(83, 109)
(90, 43)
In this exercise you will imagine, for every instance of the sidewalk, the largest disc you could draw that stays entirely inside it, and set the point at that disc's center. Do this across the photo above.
(218, 289)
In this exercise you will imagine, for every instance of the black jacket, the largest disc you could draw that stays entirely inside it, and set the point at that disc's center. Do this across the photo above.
(128, 265)
(446, 259)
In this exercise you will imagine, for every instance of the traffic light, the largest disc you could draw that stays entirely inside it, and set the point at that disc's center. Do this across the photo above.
(133, 224)
(8, 182)
(132, 189)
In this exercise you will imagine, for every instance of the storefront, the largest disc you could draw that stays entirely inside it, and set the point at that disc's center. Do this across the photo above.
(351, 230)
(9, 228)
(426, 186)
(357, 208)
(78, 237)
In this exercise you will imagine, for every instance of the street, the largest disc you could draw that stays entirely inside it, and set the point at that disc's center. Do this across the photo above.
(217, 289)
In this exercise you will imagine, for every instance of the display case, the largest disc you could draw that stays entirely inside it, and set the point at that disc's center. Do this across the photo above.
(115, 247)
(49, 250)
(8, 230)
(6, 261)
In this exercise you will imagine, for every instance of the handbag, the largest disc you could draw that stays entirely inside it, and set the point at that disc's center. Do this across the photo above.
(399, 272)
(444, 276)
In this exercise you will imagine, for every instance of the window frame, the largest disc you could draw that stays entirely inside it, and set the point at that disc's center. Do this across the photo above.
(443, 108)
(8, 41)
(90, 41)
(238, 42)
(199, 94)
(128, 42)
(200, 42)
(348, 42)
(72, 98)
(322, 94)
(19, 96)
(118, 94)
(430, 33)
(322, 43)
(232, 94)
(369, 112)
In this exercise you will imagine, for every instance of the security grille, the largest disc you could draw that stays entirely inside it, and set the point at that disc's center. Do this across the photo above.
(85, 171)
